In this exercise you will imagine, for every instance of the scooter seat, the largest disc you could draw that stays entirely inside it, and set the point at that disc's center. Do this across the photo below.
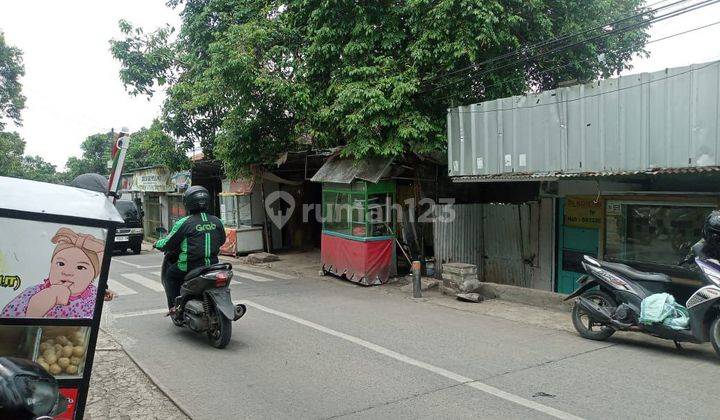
(634, 274)
(197, 272)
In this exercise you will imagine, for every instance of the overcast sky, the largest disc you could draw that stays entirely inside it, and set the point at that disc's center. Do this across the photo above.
(72, 83)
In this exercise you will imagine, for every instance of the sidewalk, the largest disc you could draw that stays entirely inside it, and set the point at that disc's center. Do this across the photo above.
(119, 390)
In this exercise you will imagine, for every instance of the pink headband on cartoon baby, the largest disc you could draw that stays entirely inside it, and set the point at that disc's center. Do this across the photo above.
(92, 247)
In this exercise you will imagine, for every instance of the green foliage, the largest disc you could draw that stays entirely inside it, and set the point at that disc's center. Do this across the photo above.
(148, 147)
(12, 100)
(250, 79)
(15, 164)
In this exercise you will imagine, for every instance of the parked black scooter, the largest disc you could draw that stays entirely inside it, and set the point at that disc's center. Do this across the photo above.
(610, 294)
(204, 304)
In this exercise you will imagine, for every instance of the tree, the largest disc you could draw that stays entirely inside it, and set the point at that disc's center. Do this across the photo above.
(12, 100)
(15, 164)
(250, 79)
(148, 147)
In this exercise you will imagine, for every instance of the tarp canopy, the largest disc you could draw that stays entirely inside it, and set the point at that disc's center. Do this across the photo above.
(40, 197)
(345, 171)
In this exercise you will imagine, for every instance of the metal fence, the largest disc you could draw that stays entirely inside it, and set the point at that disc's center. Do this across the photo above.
(510, 243)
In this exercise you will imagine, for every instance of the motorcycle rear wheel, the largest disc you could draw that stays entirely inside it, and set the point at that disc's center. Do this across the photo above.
(220, 336)
(715, 335)
(586, 331)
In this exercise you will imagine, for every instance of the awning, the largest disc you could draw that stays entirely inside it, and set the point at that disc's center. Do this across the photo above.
(345, 171)
(245, 186)
(556, 176)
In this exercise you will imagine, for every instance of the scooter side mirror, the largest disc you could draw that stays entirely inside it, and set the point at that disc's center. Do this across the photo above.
(27, 391)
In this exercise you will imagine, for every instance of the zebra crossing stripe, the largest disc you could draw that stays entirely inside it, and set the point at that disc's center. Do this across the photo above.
(145, 282)
(120, 288)
(252, 277)
(243, 267)
(159, 274)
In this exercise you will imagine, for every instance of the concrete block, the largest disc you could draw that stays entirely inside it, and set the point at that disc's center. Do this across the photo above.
(470, 297)
(459, 268)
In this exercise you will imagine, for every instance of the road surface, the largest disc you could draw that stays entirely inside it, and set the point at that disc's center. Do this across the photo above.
(312, 349)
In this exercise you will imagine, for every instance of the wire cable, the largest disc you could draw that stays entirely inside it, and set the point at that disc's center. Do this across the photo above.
(668, 15)
(559, 38)
(572, 64)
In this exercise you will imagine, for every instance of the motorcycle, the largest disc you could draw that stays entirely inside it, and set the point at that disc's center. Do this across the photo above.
(204, 304)
(28, 392)
(610, 295)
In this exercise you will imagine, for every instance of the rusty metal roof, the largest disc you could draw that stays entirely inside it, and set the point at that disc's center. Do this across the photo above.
(555, 176)
(344, 171)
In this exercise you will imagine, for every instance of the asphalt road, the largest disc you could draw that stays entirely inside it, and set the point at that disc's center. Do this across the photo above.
(311, 349)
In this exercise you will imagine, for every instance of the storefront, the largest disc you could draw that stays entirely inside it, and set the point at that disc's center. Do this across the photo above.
(159, 193)
(648, 230)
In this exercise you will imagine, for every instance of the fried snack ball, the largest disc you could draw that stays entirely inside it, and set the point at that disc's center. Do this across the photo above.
(44, 366)
(62, 340)
(50, 357)
(67, 351)
(78, 351)
(75, 361)
(63, 362)
(71, 370)
(55, 369)
(44, 346)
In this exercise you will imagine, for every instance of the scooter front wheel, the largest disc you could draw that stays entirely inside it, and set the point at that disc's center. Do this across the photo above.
(715, 335)
(582, 322)
(219, 336)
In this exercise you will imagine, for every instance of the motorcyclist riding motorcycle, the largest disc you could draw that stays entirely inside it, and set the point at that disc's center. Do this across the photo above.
(709, 246)
(195, 239)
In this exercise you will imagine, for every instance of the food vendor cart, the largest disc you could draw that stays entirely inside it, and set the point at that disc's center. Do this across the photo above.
(358, 234)
(55, 251)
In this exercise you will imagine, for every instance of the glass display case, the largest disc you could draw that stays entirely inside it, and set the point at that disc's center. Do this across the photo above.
(61, 350)
(358, 230)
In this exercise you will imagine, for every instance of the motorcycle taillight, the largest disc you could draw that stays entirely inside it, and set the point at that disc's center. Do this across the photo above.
(221, 279)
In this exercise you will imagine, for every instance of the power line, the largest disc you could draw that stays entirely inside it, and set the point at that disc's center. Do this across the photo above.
(518, 51)
(668, 15)
(713, 63)
(572, 64)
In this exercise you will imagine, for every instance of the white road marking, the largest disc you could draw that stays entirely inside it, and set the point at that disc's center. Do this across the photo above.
(140, 313)
(480, 386)
(245, 267)
(253, 277)
(120, 288)
(144, 281)
(135, 265)
(159, 274)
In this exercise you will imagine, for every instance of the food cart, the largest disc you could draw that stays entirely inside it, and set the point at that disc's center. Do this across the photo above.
(55, 254)
(358, 234)
(243, 226)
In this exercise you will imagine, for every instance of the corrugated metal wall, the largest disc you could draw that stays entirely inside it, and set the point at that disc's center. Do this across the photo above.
(510, 243)
(459, 238)
(666, 119)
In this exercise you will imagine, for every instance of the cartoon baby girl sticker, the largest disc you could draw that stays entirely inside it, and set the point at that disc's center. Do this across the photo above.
(68, 291)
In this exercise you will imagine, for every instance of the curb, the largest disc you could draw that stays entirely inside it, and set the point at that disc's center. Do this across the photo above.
(524, 295)
(152, 379)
